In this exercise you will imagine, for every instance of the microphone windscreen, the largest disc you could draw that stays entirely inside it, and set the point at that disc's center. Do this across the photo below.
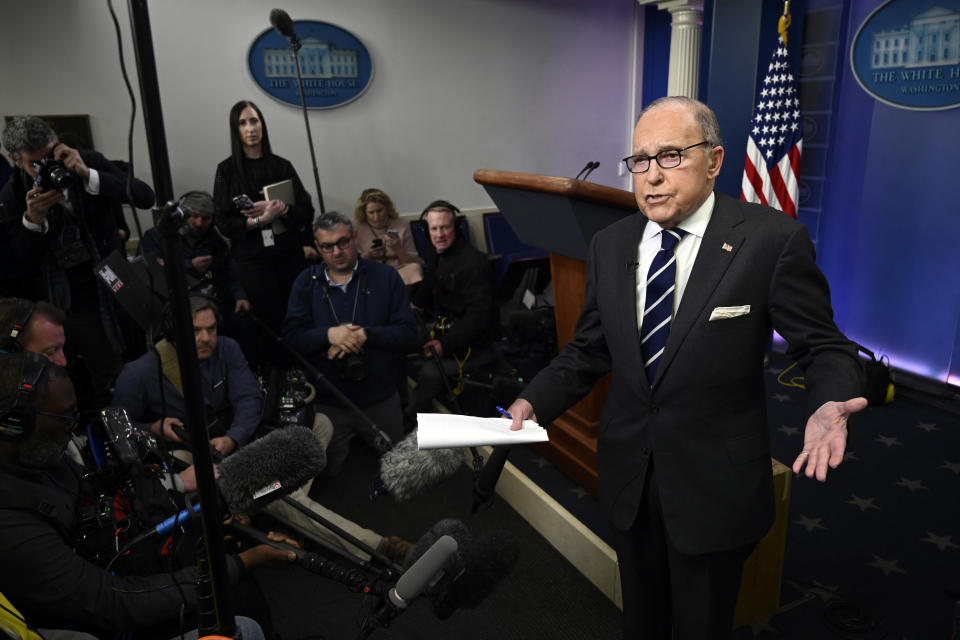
(447, 527)
(489, 561)
(281, 21)
(407, 471)
(433, 563)
(270, 467)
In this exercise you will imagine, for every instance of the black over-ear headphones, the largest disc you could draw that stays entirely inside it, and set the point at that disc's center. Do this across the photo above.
(458, 218)
(9, 340)
(18, 415)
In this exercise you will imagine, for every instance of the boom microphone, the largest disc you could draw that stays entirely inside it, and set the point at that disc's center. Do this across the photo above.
(270, 467)
(281, 21)
(434, 564)
(406, 471)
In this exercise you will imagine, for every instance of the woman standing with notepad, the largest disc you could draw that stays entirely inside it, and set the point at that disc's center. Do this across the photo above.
(266, 235)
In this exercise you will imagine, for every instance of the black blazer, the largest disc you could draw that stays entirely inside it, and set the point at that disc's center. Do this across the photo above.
(704, 421)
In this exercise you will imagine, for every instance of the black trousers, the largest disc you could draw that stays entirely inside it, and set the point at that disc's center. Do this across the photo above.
(670, 595)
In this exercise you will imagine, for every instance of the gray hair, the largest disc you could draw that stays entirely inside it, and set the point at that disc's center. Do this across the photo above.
(331, 220)
(703, 114)
(27, 133)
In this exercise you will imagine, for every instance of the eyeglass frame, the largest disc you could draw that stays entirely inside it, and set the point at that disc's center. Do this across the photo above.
(656, 157)
(342, 244)
(73, 417)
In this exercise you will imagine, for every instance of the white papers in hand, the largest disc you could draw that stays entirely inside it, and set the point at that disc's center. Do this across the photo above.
(442, 430)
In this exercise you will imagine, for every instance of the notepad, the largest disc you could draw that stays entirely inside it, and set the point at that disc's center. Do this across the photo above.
(442, 430)
(284, 192)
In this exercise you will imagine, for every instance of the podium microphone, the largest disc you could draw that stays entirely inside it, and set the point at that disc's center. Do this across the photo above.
(586, 168)
(590, 170)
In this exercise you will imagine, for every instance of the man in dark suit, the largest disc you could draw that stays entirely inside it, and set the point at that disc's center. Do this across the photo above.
(683, 446)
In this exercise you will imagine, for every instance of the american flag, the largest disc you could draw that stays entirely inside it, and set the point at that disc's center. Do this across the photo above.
(771, 172)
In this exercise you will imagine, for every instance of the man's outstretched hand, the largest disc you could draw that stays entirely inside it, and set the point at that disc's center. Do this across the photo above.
(825, 438)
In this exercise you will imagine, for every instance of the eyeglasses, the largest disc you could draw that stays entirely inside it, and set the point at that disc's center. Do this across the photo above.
(342, 244)
(667, 159)
(74, 418)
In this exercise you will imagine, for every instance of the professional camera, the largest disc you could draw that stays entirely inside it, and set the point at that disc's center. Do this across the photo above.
(352, 367)
(51, 174)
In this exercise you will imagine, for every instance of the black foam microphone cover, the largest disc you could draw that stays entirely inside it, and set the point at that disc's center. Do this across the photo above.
(491, 558)
(281, 21)
(270, 467)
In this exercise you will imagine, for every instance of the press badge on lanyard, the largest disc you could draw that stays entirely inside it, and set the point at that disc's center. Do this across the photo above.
(267, 237)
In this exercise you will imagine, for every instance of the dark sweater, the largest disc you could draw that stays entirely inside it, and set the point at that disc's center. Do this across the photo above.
(382, 309)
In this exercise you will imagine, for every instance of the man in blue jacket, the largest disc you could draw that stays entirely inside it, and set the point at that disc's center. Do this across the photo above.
(352, 319)
(231, 392)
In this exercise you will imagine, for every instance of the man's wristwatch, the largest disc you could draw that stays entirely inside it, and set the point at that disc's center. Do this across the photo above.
(257, 221)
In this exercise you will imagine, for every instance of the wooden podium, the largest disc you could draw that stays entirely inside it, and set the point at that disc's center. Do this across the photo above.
(561, 215)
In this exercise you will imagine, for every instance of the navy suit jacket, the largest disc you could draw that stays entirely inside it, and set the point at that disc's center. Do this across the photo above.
(704, 420)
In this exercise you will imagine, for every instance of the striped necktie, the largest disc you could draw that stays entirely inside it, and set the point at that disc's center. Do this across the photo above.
(658, 301)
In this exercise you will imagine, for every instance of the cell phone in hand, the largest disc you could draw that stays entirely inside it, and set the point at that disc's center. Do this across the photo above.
(243, 202)
(377, 242)
(393, 233)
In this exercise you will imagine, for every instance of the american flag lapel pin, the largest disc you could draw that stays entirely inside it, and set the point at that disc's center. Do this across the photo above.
(727, 247)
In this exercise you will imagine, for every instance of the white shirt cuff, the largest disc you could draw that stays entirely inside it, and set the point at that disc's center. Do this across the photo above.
(92, 183)
(33, 226)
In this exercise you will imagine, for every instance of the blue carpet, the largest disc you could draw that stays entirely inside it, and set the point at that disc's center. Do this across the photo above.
(870, 552)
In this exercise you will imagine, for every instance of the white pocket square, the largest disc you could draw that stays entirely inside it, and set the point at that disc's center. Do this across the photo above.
(724, 313)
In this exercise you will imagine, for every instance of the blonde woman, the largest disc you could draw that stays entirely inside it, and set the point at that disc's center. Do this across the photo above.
(383, 237)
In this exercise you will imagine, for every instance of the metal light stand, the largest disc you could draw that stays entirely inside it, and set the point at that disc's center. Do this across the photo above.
(220, 618)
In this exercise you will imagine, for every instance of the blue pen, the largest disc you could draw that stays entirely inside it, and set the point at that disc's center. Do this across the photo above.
(504, 412)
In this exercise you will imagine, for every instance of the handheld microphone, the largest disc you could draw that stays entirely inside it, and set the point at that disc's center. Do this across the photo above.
(270, 467)
(280, 20)
(484, 487)
(406, 471)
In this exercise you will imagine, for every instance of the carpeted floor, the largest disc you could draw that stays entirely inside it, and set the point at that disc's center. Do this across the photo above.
(543, 597)
(870, 552)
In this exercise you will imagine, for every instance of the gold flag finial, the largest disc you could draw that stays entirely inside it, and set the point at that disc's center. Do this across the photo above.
(784, 22)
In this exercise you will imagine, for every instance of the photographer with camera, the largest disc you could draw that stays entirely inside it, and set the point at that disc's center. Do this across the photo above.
(45, 515)
(207, 259)
(60, 211)
(352, 319)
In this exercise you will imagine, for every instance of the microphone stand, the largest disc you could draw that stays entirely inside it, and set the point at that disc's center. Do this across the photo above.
(295, 47)
(221, 615)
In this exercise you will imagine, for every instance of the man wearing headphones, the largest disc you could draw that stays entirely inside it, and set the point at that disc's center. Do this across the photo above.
(41, 492)
(230, 390)
(207, 259)
(456, 291)
(33, 326)
(60, 209)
